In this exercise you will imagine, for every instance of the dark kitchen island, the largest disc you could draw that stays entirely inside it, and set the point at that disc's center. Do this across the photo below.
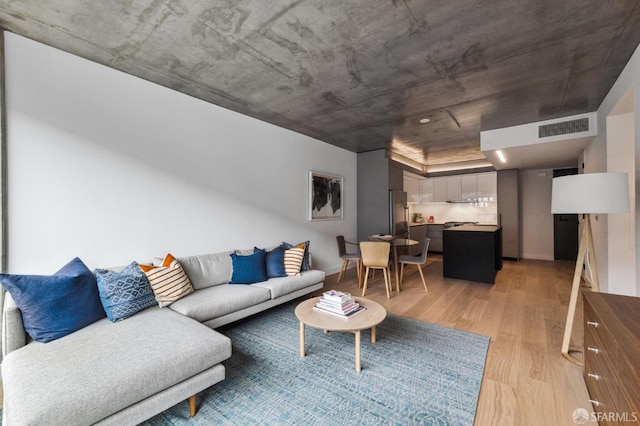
(472, 252)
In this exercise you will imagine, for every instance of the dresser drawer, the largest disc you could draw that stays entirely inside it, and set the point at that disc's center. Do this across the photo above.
(629, 393)
(592, 320)
(598, 340)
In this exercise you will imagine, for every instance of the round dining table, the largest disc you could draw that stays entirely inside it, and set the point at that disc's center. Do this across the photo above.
(395, 241)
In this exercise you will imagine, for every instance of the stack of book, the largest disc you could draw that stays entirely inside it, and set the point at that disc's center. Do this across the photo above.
(338, 303)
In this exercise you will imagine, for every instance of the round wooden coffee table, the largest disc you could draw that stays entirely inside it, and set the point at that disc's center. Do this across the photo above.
(373, 315)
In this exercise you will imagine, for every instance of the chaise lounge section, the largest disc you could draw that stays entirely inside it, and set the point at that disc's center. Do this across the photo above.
(111, 373)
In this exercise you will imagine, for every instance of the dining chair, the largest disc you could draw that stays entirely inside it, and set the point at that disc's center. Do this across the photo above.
(347, 257)
(418, 233)
(419, 260)
(375, 255)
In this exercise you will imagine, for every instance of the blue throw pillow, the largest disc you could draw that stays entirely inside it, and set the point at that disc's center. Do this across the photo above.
(53, 306)
(124, 293)
(274, 262)
(249, 269)
(306, 263)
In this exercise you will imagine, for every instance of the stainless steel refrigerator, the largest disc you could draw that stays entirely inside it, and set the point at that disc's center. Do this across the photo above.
(398, 214)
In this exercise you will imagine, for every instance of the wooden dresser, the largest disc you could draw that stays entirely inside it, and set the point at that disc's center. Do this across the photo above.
(612, 357)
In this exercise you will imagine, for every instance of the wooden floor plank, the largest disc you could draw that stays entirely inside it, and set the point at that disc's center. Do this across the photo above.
(497, 404)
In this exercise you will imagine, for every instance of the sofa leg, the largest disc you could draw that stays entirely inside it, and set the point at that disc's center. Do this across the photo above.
(192, 405)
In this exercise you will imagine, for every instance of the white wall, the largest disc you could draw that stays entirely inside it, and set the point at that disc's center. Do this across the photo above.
(627, 86)
(111, 168)
(621, 238)
(594, 159)
(535, 214)
(373, 194)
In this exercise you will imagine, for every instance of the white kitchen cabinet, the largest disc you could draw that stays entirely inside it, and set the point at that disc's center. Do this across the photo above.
(454, 190)
(468, 187)
(439, 189)
(413, 188)
(458, 188)
(427, 191)
(487, 186)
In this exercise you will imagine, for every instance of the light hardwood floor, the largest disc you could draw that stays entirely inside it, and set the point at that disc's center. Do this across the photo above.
(526, 381)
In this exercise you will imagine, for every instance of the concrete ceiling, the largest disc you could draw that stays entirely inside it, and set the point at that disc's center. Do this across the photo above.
(359, 74)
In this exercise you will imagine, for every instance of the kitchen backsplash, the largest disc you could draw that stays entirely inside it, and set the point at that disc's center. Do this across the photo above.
(484, 213)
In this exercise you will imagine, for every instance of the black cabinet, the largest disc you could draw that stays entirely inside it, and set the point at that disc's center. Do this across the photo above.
(509, 213)
(434, 231)
(472, 253)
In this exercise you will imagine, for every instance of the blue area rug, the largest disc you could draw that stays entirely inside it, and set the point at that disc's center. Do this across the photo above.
(416, 373)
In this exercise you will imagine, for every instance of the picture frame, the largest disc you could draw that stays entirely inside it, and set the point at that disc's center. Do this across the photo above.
(325, 196)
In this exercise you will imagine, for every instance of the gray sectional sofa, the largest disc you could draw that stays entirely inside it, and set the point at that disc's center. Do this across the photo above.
(125, 372)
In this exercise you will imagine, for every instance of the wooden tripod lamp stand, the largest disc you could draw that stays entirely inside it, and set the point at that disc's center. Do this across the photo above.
(589, 193)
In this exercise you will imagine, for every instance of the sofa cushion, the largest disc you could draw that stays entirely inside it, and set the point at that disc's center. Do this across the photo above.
(53, 306)
(219, 300)
(206, 270)
(249, 268)
(282, 286)
(124, 293)
(168, 281)
(117, 364)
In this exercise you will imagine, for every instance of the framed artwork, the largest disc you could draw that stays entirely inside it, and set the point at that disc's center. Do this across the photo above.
(325, 196)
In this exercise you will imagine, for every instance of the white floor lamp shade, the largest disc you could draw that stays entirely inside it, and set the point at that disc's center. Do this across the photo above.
(590, 193)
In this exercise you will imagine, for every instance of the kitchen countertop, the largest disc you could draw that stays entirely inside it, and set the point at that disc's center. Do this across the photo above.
(475, 228)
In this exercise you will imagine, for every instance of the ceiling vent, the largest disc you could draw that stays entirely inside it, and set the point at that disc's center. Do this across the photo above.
(546, 144)
(563, 128)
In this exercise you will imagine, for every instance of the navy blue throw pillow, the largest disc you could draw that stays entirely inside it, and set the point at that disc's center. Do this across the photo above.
(53, 306)
(249, 269)
(275, 262)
